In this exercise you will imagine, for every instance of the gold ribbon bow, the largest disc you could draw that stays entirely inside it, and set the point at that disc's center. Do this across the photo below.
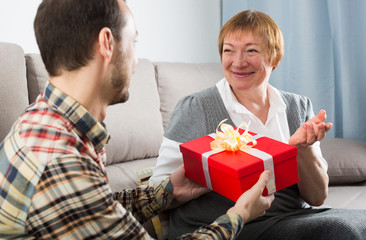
(230, 139)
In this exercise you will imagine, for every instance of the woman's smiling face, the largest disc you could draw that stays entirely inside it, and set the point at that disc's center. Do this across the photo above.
(245, 60)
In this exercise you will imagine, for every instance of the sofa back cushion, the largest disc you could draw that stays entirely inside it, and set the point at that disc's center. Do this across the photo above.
(346, 160)
(136, 125)
(37, 75)
(13, 86)
(176, 80)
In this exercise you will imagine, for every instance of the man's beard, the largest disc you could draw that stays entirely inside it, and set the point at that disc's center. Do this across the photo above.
(119, 80)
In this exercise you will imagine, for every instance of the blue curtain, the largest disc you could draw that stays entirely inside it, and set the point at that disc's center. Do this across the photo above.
(325, 56)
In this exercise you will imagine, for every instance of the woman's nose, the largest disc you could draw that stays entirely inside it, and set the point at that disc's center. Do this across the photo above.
(240, 60)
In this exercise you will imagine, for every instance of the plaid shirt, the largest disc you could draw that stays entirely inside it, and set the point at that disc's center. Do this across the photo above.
(53, 184)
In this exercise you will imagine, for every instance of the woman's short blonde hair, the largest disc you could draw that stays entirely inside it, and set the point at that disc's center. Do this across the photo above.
(259, 24)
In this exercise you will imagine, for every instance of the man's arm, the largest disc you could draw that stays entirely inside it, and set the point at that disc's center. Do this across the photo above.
(178, 189)
(73, 200)
(250, 205)
(145, 202)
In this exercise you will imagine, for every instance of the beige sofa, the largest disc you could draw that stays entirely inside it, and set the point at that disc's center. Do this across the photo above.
(137, 126)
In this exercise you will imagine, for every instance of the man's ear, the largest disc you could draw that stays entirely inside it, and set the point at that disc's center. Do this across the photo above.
(106, 43)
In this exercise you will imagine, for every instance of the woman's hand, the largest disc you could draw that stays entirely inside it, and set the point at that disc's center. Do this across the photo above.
(252, 204)
(185, 189)
(311, 131)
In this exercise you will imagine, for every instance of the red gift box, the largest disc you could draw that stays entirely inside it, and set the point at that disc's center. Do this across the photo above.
(232, 173)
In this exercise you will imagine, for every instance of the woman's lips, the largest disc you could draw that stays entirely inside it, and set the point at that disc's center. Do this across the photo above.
(242, 74)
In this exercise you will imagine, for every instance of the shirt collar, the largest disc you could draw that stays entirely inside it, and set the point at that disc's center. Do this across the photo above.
(276, 102)
(78, 115)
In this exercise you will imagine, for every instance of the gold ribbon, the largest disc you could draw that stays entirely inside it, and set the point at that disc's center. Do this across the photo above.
(230, 139)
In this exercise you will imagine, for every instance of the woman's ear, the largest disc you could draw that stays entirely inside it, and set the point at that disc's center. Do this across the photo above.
(276, 62)
(106, 43)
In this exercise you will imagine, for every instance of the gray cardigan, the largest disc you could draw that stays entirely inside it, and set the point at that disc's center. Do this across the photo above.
(199, 114)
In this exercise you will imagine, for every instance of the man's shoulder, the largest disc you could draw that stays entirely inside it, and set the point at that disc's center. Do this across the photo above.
(41, 128)
(41, 118)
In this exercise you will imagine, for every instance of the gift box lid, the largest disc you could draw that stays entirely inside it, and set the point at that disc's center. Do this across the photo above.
(239, 163)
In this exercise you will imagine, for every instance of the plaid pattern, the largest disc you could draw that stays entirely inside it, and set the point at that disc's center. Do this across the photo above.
(53, 184)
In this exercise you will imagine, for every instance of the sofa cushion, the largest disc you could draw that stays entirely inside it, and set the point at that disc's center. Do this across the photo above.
(13, 86)
(346, 160)
(136, 125)
(347, 196)
(176, 80)
(124, 175)
(37, 75)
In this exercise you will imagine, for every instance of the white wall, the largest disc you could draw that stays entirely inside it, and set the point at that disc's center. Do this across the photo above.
(169, 30)
(16, 23)
(177, 30)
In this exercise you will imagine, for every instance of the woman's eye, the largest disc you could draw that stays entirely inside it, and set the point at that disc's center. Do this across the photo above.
(252, 52)
(228, 51)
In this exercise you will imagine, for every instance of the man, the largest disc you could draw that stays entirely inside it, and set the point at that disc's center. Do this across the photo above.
(53, 183)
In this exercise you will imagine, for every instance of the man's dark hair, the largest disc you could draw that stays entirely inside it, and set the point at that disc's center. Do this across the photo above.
(66, 30)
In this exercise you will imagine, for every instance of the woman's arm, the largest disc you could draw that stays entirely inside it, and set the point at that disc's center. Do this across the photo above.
(169, 159)
(313, 177)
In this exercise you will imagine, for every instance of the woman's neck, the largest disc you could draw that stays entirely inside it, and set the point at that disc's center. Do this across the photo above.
(257, 102)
